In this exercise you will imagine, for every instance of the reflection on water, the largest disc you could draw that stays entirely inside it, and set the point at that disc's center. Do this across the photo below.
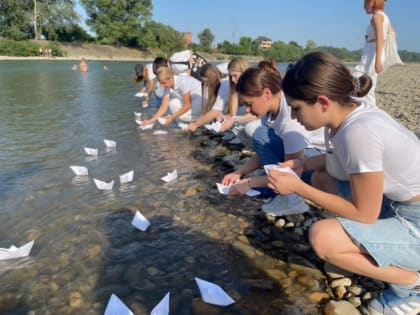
(85, 248)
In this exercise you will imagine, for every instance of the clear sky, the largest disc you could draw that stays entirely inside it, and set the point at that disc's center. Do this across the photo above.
(337, 23)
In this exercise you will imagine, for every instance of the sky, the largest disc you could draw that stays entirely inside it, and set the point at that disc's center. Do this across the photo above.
(336, 23)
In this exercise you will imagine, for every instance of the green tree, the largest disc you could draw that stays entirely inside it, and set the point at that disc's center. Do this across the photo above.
(158, 35)
(206, 38)
(16, 19)
(118, 21)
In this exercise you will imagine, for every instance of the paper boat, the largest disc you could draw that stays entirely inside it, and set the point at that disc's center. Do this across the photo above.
(162, 121)
(276, 167)
(140, 94)
(140, 222)
(79, 170)
(213, 294)
(170, 176)
(224, 190)
(183, 126)
(215, 126)
(91, 151)
(117, 307)
(137, 115)
(110, 143)
(163, 307)
(140, 122)
(103, 185)
(127, 177)
(15, 252)
(160, 132)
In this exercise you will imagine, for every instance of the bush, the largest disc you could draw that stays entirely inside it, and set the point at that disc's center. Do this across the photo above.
(26, 49)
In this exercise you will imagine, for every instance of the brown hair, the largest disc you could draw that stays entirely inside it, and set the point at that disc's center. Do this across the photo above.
(268, 65)
(376, 4)
(214, 76)
(322, 74)
(254, 80)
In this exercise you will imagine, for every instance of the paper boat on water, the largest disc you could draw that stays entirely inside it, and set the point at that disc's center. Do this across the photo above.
(116, 307)
(224, 190)
(91, 151)
(141, 94)
(170, 176)
(276, 167)
(110, 143)
(16, 252)
(162, 120)
(183, 126)
(213, 294)
(163, 307)
(140, 222)
(140, 123)
(137, 115)
(160, 132)
(103, 185)
(126, 177)
(79, 170)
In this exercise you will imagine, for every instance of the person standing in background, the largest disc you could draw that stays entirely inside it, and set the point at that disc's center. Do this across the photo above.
(83, 66)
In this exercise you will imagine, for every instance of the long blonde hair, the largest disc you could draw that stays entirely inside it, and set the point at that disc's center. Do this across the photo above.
(237, 64)
(214, 77)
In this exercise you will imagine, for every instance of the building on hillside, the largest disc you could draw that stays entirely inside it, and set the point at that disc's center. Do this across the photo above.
(264, 43)
(187, 39)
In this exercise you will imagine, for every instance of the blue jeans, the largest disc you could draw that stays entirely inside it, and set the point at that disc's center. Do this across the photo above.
(270, 150)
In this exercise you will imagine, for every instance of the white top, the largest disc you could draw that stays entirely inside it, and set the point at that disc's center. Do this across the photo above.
(181, 56)
(223, 68)
(222, 99)
(184, 84)
(149, 68)
(295, 137)
(370, 140)
(371, 33)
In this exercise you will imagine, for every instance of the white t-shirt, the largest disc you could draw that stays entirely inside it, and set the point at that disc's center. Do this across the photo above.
(370, 140)
(222, 99)
(295, 137)
(184, 84)
(150, 73)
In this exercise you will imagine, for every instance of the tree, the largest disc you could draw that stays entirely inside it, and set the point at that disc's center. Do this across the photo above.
(118, 21)
(158, 35)
(16, 19)
(206, 38)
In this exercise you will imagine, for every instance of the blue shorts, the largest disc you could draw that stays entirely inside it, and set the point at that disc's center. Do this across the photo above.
(394, 239)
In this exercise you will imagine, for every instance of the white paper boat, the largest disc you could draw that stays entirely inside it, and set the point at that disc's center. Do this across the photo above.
(15, 252)
(215, 126)
(140, 123)
(126, 177)
(141, 94)
(140, 222)
(110, 143)
(117, 307)
(162, 121)
(276, 167)
(224, 190)
(91, 151)
(160, 132)
(183, 126)
(170, 176)
(137, 115)
(213, 294)
(163, 307)
(79, 170)
(103, 185)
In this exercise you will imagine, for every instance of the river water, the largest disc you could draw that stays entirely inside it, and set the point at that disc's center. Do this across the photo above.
(85, 248)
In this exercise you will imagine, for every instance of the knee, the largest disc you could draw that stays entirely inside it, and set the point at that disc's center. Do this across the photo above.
(319, 238)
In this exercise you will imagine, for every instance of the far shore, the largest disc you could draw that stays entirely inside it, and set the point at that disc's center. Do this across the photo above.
(76, 58)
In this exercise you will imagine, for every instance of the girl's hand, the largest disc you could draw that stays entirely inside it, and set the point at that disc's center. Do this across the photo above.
(227, 124)
(192, 127)
(283, 183)
(169, 121)
(240, 188)
(231, 179)
(147, 122)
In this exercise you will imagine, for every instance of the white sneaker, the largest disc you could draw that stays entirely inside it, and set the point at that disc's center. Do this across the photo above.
(285, 205)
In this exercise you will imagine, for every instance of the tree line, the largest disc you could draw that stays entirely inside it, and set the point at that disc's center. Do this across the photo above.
(129, 23)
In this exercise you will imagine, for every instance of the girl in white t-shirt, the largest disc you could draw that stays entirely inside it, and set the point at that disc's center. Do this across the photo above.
(377, 229)
(215, 96)
(279, 138)
(145, 75)
(182, 96)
